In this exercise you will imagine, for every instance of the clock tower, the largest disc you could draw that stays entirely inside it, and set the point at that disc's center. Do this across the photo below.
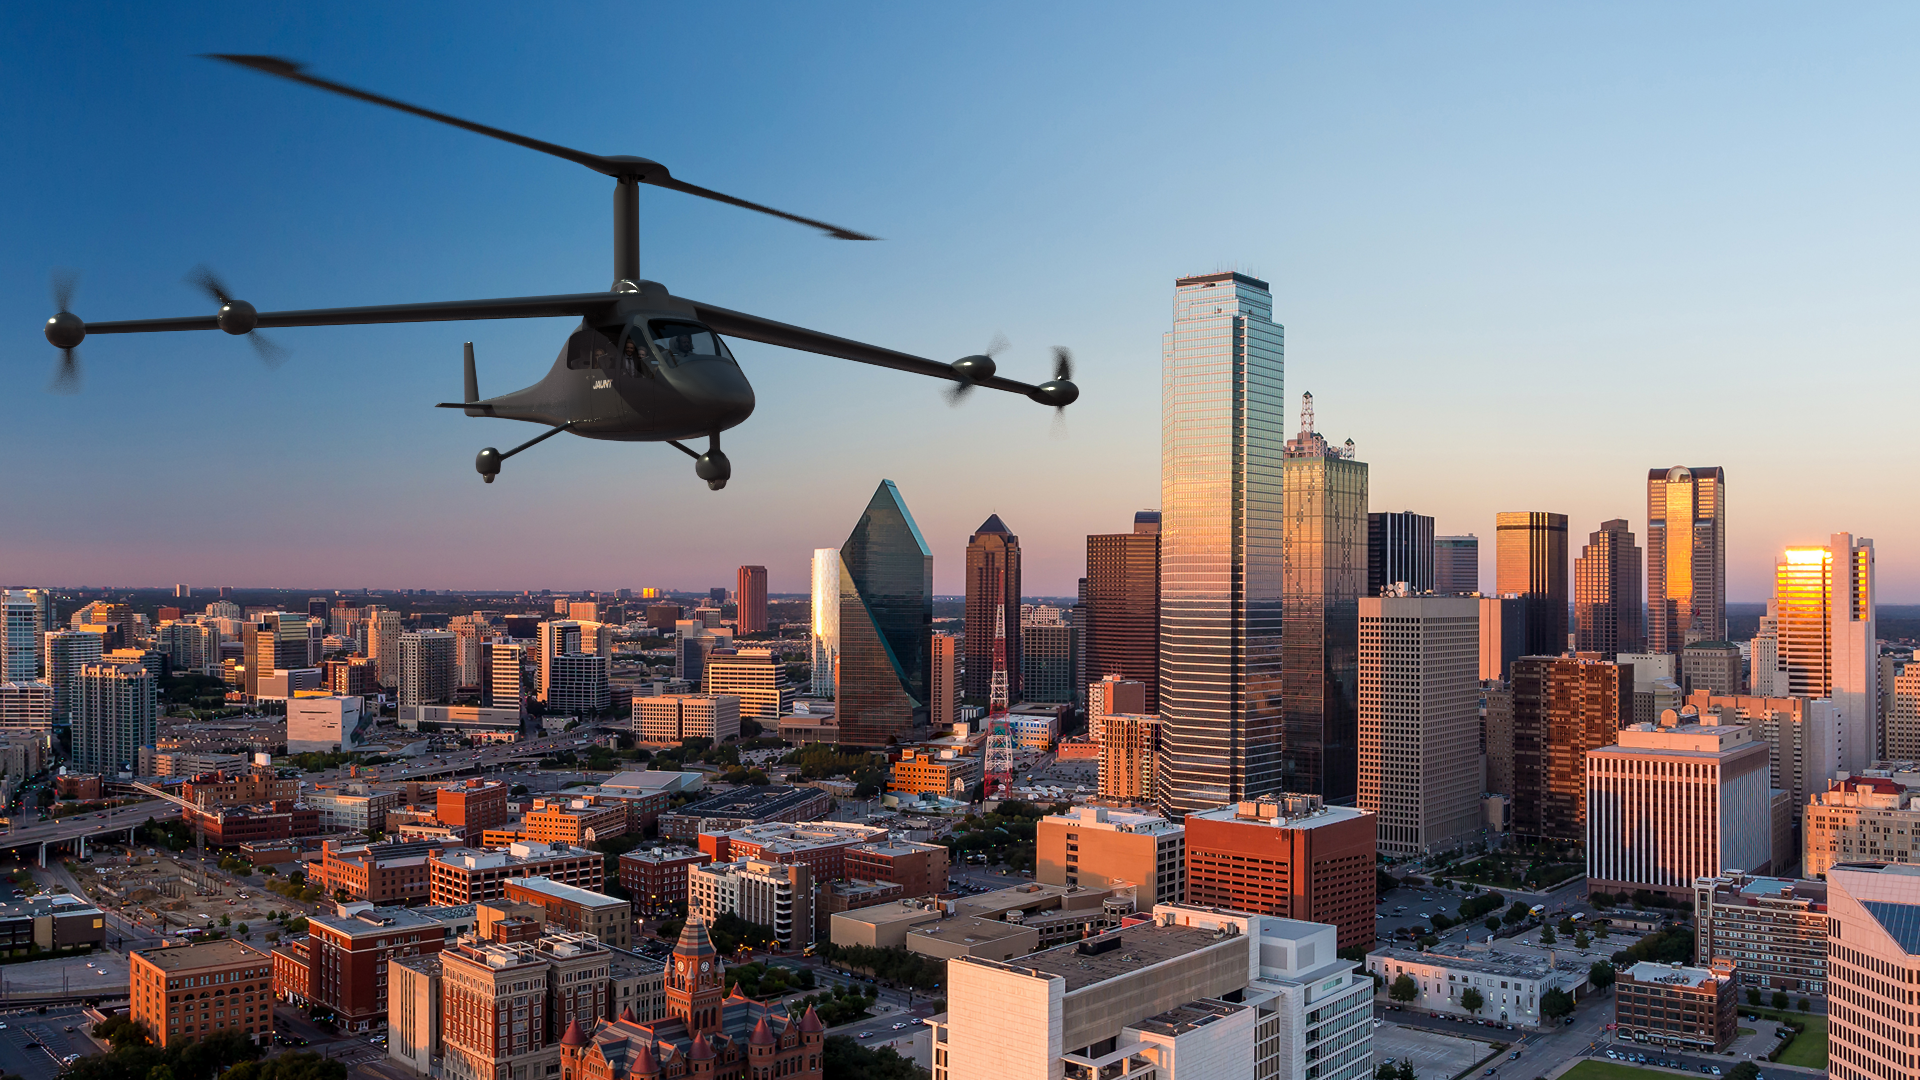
(694, 985)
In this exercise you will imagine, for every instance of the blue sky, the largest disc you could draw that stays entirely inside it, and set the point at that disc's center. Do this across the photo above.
(1523, 253)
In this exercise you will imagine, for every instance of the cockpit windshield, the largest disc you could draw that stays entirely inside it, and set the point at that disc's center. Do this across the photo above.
(679, 341)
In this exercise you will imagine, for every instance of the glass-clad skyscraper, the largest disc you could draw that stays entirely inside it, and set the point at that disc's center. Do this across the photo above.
(1222, 433)
(826, 619)
(1686, 557)
(886, 624)
(1324, 572)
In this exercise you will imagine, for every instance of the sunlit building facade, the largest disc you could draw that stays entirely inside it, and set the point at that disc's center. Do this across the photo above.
(1122, 631)
(1420, 721)
(993, 589)
(1221, 443)
(825, 630)
(1532, 554)
(1562, 708)
(883, 680)
(1686, 557)
(1824, 626)
(1606, 593)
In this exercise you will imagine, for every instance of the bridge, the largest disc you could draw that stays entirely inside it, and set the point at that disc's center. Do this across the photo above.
(77, 829)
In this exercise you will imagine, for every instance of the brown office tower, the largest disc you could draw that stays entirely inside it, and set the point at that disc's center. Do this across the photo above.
(993, 578)
(1287, 855)
(945, 681)
(1686, 557)
(1123, 606)
(750, 600)
(1562, 708)
(1606, 593)
(1532, 552)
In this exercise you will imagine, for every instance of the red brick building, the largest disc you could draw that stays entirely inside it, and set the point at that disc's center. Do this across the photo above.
(235, 825)
(82, 786)
(1287, 855)
(189, 992)
(475, 805)
(348, 956)
(820, 845)
(656, 878)
(467, 876)
(697, 1038)
(919, 869)
(574, 821)
(211, 791)
(393, 873)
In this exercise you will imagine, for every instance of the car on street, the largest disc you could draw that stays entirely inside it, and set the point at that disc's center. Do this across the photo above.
(866, 1035)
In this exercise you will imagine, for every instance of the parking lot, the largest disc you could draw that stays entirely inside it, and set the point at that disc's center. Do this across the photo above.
(1434, 1056)
(32, 1044)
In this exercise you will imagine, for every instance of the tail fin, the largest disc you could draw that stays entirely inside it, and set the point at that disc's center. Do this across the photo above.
(473, 382)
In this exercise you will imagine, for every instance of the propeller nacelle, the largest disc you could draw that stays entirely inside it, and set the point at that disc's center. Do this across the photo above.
(1059, 393)
(66, 330)
(237, 317)
(976, 369)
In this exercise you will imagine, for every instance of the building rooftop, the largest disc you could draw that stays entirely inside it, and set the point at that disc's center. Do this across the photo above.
(969, 930)
(357, 920)
(1752, 891)
(1189, 1017)
(1646, 971)
(1491, 963)
(425, 964)
(203, 954)
(1110, 819)
(1282, 811)
(1092, 961)
(570, 893)
(892, 847)
(749, 802)
(473, 859)
(787, 838)
(676, 853)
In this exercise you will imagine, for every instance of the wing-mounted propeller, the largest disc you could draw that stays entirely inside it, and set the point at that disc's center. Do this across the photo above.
(971, 371)
(65, 331)
(237, 317)
(1058, 391)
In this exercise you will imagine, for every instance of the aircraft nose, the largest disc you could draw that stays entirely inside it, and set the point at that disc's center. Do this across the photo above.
(715, 384)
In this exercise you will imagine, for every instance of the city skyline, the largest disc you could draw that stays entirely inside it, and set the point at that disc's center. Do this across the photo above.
(1516, 265)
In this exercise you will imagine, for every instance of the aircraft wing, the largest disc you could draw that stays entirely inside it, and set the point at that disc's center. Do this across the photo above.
(515, 307)
(754, 328)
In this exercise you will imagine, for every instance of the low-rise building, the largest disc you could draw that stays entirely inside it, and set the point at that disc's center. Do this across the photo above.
(1674, 1005)
(741, 808)
(1289, 855)
(667, 719)
(1218, 993)
(656, 877)
(351, 807)
(232, 826)
(942, 772)
(1512, 987)
(386, 874)
(348, 957)
(574, 821)
(209, 988)
(1098, 845)
(1772, 930)
(821, 845)
(320, 722)
(474, 805)
(582, 911)
(466, 876)
(260, 784)
(1866, 818)
(918, 869)
(775, 895)
(997, 925)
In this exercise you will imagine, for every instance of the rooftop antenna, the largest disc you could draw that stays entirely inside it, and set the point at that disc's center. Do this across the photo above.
(1306, 416)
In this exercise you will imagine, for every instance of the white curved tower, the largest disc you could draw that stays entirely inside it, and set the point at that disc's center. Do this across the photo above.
(826, 619)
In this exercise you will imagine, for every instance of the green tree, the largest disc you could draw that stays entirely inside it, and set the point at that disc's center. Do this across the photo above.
(1753, 996)
(1600, 975)
(1581, 939)
(1556, 1004)
(1803, 1005)
(1472, 1000)
(1404, 988)
(1547, 936)
(1517, 912)
(226, 921)
(1780, 999)
(844, 1059)
(1384, 1072)
(241, 929)
(1746, 1070)
(1493, 922)
(1405, 1072)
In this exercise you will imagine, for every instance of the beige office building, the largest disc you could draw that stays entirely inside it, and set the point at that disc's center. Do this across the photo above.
(1194, 993)
(1873, 964)
(1420, 720)
(1802, 735)
(1129, 749)
(772, 894)
(1862, 819)
(1773, 930)
(945, 687)
(666, 719)
(755, 676)
(1098, 845)
(1903, 716)
(1667, 805)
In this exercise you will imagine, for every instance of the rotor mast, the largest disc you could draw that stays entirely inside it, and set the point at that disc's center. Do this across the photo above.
(626, 230)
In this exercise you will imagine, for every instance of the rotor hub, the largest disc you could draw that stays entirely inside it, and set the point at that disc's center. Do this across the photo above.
(1056, 392)
(977, 369)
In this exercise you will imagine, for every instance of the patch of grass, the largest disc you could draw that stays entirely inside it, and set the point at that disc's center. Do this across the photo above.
(1809, 1048)
(1612, 1070)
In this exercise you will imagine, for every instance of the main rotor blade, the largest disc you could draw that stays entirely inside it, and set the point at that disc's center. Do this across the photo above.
(618, 167)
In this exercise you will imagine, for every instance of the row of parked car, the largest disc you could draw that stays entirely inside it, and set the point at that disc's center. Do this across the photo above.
(1642, 1059)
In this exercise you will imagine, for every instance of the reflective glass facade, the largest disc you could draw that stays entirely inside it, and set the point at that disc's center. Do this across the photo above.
(1606, 593)
(1686, 557)
(1222, 434)
(886, 624)
(1324, 568)
(826, 619)
(1824, 602)
(1400, 547)
(1532, 564)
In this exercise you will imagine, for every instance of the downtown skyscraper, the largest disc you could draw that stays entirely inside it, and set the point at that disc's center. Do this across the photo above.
(884, 678)
(1606, 593)
(824, 629)
(993, 588)
(1686, 557)
(1532, 564)
(1221, 444)
(1825, 646)
(1323, 574)
(1122, 632)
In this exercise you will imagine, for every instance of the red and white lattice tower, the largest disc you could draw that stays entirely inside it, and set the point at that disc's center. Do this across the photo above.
(999, 760)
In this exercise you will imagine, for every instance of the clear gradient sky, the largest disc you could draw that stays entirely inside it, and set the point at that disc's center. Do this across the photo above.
(1523, 253)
